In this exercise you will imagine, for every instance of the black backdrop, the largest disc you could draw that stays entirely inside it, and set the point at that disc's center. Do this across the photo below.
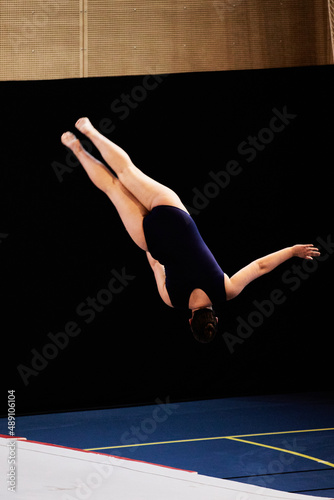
(61, 241)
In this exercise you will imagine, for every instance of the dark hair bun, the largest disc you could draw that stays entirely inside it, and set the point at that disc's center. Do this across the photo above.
(204, 325)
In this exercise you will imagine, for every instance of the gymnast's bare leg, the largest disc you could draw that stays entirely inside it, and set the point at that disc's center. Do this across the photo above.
(129, 208)
(133, 193)
(147, 191)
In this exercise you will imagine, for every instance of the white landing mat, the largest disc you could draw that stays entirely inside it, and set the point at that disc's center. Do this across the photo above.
(47, 472)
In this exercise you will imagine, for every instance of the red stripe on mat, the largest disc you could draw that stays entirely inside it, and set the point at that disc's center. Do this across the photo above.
(94, 453)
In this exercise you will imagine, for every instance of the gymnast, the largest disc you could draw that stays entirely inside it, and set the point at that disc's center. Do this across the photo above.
(186, 272)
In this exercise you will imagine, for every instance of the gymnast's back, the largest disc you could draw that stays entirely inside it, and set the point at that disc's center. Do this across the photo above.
(174, 240)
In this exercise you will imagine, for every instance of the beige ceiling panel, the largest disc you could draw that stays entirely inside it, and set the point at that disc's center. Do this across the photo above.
(40, 39)
(78, 38)
(137, 37)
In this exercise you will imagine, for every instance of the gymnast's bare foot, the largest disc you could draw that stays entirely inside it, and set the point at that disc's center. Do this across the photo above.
(85, 126)
(70, 141)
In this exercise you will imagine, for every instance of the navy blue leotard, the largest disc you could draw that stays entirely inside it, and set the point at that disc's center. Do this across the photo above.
(173, 239)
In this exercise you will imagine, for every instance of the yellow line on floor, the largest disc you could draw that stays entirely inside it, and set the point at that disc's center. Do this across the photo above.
(207, 439)
(282, 450)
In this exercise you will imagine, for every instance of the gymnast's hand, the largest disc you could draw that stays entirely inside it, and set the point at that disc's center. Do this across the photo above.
(305, 251)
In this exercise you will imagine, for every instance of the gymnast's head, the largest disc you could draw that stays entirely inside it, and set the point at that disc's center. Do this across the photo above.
(204, 325)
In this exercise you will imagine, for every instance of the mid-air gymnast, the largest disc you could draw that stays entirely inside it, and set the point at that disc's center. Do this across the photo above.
(186, 272)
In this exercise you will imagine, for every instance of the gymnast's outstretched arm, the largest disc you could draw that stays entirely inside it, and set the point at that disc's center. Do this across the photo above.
(259, 267)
